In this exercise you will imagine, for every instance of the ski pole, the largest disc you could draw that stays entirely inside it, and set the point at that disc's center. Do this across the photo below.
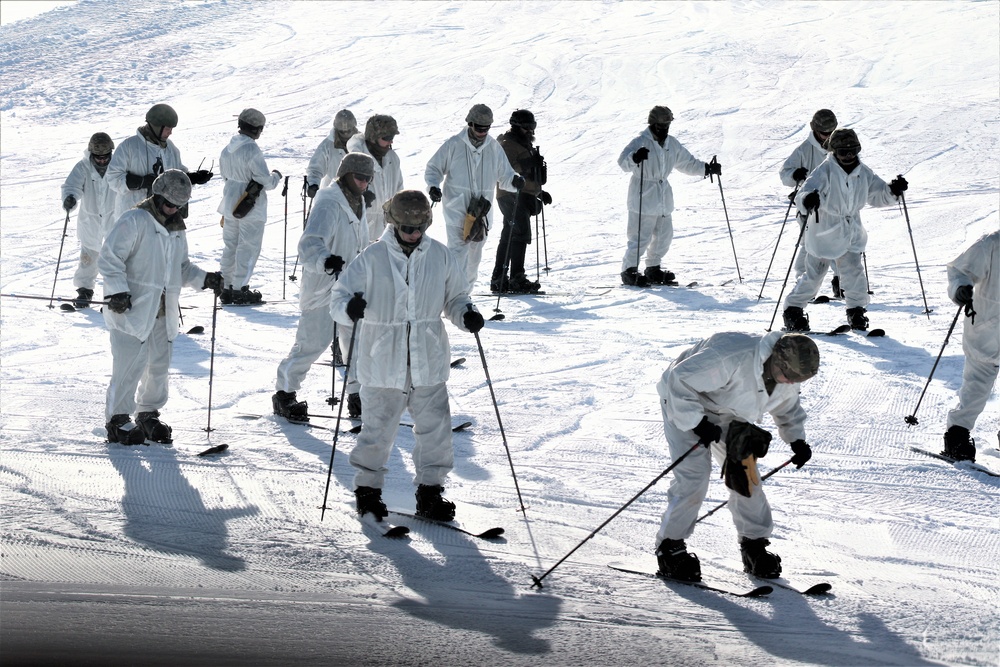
(868, 285)
(906, 214)
(545, 244)
(305, 186)
(912, 419)
(340, 412)
(731, 241)
(59, 260)
(503, 288)
(53, 298)
(538, 580)
(723, 504)
(638, 235)
(503, 436)
(284, 253)
(211, 362)
(538, 260)
(789, 272)
(791, 202)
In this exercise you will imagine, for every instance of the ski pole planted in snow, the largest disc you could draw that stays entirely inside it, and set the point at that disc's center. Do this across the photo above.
(503, 288)
(211, 362)
(731, 241)
(912, 419)
(59, 260)
(791, 203)
(789, 272)
(906, 214)
(284, 253)
(538, 580)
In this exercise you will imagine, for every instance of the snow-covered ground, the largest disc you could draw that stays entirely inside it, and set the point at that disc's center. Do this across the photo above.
(150, 554)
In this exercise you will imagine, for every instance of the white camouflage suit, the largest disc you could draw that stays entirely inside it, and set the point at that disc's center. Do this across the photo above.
(978, 266)
(95, 217)
(839, 235)
(332, 229)
(137, 155)
(402, 352)
(140, 256)
(656, 230)
(387, 181)
(810, 154)
(242, 161)
(720, 378)
(467, 172)
(323, 165)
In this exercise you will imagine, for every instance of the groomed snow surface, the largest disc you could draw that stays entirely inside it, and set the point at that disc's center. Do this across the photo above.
(151, 555)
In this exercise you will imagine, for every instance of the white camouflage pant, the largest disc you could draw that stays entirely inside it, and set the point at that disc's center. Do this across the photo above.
(468, 254)
(978, 379)
(852, 280)
(134, 360)
(653, 237)
(800, 256)
(86, 270)
(243, 241)
(312, 338)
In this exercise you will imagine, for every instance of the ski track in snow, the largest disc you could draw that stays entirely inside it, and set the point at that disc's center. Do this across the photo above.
(910, 544)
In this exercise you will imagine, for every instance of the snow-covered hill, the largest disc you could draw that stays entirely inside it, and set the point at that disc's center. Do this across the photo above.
(151, 554)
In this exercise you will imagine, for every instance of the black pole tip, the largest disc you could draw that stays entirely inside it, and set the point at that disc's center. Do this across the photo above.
(911, 420)
(538, 582)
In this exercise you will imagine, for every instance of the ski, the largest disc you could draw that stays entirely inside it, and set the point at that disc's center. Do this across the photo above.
(821, 588)
(842, 329)
(760, 591)
(962, 464)
(213, 450)
(457, 362)
(454, 429)
(387, 529)
(488, 534)
(672, 283)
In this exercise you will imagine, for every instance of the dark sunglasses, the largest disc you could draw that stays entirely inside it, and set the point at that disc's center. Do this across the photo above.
(481, 129)
(844, 153)
(362, 178)
(410, 229)
(102, 158)
(167, 204)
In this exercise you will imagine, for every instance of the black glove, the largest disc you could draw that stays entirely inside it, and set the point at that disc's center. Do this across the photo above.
(369, 198)
(803, 452)
(277, 173)
(200, 177)
(435, 194)
(120, 302)
(811, 201)
(356, 307)
(333, 264)
(312, 190)
(517, 182)
(473, 321)
(898, 186)
(963, 295)
(214, 282)
(640, 155)
(69, 203)
(707, 431)
(136, 182)
(157, 167)
(800, 174)
(713, 168)
(545, 197)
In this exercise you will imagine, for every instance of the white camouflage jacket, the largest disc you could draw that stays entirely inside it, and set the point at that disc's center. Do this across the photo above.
(96, 200)
(332, 229)
(657, 195)
(388, 180)
(242, 161)
(979, 266)
(136, 155)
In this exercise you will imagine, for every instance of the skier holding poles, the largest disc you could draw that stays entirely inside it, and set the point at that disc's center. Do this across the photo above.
(325, 161)
(650, 158)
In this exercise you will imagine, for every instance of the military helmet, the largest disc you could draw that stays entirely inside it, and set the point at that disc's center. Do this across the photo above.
(823, 121)
(161, 115)
(409, 208)
(357, 163)
(345, 121)
(523, 118)
(174, 186)
(843, 138)
(252, 117)
(660, 116)
(100, 144)
(797, 356)
(480, 114)
(380, 126)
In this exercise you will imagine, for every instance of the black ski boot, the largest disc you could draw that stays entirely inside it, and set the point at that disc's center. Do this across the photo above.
(154, 429)
(856, 318)
(370, 500)
(520, 284)
(757, 560)
(227, 296)
(657, 276)
(354, 405)
(286, 405)
(499, 283)
(958, 445)
(631, 276)
(247, 296)
(123, 431)
(675, 562)
(83, 297)
(835, 285)
(795, 319)
(432, 505)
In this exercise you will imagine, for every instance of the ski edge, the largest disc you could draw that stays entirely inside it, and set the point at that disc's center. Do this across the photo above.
(966, 465)
(760, 591)
(488, 534)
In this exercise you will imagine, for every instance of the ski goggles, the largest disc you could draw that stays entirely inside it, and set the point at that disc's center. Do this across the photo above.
(847, 152)
(481, 129)
(362, 177)
(102, 159)
(412, 229)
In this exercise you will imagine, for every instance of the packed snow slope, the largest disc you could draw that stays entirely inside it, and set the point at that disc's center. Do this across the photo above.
(115, 554)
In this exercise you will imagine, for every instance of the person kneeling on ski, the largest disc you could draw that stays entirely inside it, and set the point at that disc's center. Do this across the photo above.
(144, 262)
(831, 199)
(394, 294)
(710, 397)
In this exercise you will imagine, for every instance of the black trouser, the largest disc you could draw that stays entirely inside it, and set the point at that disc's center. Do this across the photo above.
(516, 232)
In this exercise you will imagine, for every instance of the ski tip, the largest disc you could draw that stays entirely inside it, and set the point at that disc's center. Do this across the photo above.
(461, 427)
(397, 532)
(843, 328)
(822, 298)
(68, 307)
(818, 589)
(355, 429)
(759, 592)
(458, 362)
(491, 534)
(214, 450)
(876, 333)
(197, 330)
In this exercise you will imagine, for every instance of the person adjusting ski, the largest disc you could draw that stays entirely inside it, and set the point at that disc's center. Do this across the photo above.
(139, 159)
(650, 158)
(517, 208)
(244, 207)
(974, 282)
(144, 262)
(463, 173)
(395, 294)
(336, 232)
(711, 396)
(87, 186)
(325, 161)
(803, 160)
(831, 199)
(380, 130)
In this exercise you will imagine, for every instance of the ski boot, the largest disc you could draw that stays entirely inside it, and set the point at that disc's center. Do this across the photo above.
(656, 276)
(227, 296)
(958, 445)
(795, 319)
(285, 405)
(499, 283)
(520, 284)
(354, 405)
(856, 318)
(83, 297)
(676, 563)
(368, 500)
(248, 297)
(123, 431)
(757, 560)
(835, 285)
(154, 429)
(631, 276)
(432, 505)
